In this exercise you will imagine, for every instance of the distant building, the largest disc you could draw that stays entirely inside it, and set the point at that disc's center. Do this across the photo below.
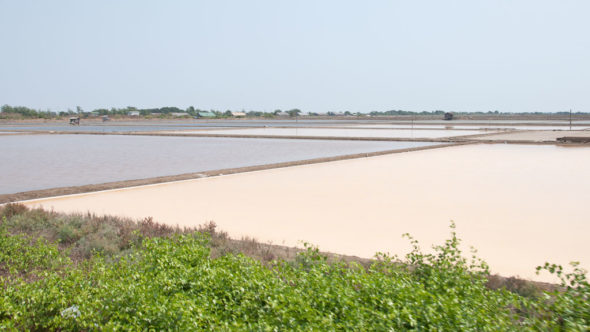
(205, 114)
(448, 116)
(179, 114)
(238, 114)
(133, 113)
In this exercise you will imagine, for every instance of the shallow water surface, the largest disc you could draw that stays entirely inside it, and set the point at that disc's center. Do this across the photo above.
(118, 128)
(92, 125)
(331, 132)
(154, 125)
(468, 127)
(32, 162)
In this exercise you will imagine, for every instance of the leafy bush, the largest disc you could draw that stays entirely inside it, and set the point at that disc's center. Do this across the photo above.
(568, 307)
(22, 256)
(144, 275)
(173, 282)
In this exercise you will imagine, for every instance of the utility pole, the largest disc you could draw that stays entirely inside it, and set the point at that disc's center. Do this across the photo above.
(570, 119)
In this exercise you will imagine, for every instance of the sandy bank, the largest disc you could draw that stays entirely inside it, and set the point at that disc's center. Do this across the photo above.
(519, 205)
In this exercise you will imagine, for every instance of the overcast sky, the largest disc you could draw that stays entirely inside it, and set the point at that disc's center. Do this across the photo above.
(316, 55)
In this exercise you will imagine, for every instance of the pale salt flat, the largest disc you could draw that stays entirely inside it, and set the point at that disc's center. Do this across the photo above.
(520, 206)
(466, 127)
(535, 136)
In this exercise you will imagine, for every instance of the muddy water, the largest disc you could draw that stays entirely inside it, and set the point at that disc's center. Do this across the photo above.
(518, 205)
(330, 132)
(31, 162)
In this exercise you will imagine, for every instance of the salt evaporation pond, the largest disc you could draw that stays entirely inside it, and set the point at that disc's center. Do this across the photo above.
(119, 128)
(31, 162)
(467, 127)
(331, 132)
(155, 125)
(202, 124)
(519, 205)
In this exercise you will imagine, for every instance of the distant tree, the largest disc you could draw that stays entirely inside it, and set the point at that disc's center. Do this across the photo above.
(276, 112)
(102, 111)
(25, 112)
(255, 114)
(191, 110)
(294, 112)
(167, 110)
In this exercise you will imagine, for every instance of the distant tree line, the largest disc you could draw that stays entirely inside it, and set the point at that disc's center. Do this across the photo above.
(8, 111)
(25, 112)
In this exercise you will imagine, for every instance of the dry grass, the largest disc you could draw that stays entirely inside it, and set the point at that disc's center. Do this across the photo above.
(84, 234)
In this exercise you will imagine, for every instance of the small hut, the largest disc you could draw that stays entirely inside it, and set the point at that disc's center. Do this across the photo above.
(448, 116)
(75, 121)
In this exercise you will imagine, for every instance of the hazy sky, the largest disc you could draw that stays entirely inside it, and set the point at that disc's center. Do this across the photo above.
(317, 55)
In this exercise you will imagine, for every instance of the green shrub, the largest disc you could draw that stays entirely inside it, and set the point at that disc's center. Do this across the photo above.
(67, 234)
(104, 240)
(141, 276)
(23, 256)
(174, 283)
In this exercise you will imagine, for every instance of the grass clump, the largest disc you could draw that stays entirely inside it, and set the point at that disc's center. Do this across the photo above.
(176, 281)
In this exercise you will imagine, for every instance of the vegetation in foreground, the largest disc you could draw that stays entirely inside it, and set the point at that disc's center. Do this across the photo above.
(82, 272)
